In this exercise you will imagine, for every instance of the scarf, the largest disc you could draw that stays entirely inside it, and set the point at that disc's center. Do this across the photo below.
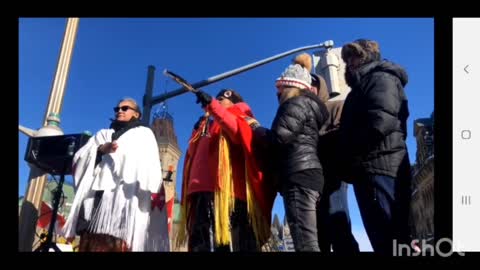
(121, 127)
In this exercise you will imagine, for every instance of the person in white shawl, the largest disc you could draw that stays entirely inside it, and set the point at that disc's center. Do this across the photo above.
(116, 173)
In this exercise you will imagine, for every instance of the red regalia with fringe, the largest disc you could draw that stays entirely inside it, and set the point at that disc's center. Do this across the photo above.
(236, 173)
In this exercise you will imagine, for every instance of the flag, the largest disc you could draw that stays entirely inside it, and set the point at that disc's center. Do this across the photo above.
(170, 213)
(45, 217)
(158, 200)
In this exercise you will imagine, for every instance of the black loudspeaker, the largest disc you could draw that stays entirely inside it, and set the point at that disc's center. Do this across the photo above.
(54, 154)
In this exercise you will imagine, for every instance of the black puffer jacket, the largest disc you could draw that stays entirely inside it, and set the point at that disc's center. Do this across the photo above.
(373, 123)
(295, 130)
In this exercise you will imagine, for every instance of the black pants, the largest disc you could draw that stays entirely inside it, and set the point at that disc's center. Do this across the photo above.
(202, 228)
(384, 204)
(302, 209)
(334, 227)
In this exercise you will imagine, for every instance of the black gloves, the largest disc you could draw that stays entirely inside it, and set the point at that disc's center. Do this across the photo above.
(203, 98)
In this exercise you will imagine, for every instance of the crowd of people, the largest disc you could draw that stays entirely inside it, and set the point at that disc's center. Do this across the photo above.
(234, 167)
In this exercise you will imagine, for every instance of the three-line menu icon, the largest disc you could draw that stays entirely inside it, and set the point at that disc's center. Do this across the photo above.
(466, 200)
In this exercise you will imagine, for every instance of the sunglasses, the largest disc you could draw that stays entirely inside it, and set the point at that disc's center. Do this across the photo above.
(123, 108)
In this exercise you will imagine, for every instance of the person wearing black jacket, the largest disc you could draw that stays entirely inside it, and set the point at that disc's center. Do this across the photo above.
(373, 133)
(294, 137)
(334, 226)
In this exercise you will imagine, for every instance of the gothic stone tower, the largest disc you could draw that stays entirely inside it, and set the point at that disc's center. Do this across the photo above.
(422, 203)
(170, 153)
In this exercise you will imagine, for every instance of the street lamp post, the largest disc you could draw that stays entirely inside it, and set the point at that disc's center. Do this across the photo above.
(37, 179)
(149, 100)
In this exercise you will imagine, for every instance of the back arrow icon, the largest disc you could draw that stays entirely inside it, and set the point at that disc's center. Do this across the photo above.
(466, 69)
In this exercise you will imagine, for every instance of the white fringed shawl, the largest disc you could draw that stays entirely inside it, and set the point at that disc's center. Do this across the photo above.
(127, 178)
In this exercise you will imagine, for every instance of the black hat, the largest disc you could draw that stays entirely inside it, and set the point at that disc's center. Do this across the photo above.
(230, 94)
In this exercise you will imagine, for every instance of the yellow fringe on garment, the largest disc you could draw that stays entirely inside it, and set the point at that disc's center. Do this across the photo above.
(261, 227)
(182, 233)
(224, 201)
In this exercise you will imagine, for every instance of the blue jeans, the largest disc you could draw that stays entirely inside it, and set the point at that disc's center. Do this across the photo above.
(334, 227)
(384, 204)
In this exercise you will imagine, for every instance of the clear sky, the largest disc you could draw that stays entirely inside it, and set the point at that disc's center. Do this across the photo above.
(111, 56)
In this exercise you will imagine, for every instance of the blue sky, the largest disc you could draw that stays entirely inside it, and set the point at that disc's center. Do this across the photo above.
(111, 56)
